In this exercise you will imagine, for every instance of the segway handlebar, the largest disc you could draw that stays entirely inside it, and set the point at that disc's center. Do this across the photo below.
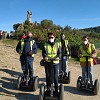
(53, 59)
(87, 56)
(91, 57)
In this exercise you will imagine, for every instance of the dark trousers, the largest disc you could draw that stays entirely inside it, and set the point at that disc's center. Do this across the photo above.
(27, 66)
(49, 75)
(0, 37)
(63, 67)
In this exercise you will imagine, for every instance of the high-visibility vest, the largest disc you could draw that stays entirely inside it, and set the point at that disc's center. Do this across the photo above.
(51, 51)
(31, 44)
(66, 46)
(86, 53)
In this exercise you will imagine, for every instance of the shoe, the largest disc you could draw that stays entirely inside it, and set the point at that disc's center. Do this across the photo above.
(48, 92)
(56, 93)
(65, 76)
(83, 84)
(52, 89)
(60, 76)
(31, 81)
(91, 86)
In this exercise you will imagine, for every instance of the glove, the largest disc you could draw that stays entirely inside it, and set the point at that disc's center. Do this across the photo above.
(46, 58)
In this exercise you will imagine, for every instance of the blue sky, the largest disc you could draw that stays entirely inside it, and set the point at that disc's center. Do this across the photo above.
(75, 13)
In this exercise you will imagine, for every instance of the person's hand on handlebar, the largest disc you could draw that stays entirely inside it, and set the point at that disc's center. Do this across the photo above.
(46, 58)
(80, 55)
(92, 56)
(57, 58)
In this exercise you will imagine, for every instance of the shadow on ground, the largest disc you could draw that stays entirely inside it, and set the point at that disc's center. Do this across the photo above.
(74, 90)
(18, 96)
(11, 72)
(7, 85)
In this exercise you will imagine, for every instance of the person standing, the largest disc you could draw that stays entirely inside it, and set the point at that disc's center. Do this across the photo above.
(87, 49)
(51, 50)
(65, 54)
(0, 34)
(27, 47)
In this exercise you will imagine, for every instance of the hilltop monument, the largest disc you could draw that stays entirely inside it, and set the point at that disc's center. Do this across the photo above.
(29, 15)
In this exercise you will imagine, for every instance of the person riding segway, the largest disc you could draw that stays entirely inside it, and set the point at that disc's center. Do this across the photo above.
(86, 53)
(64, 74)
(51, 54)
(27, 47)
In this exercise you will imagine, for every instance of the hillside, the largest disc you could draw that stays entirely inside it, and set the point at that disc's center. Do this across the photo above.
(93, 29)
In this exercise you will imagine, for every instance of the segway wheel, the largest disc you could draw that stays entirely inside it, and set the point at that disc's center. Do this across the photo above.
(61, 92)
(36, 83)
(41, 92)
(69, 77)
(19, 82)
(79, 80)
(96, 87)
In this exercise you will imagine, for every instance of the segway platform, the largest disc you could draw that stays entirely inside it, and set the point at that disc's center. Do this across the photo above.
(44, 95)
(47, 97)
(50, 95)
(27, 84)
(95, 87)
(64, 79)
(50, 98)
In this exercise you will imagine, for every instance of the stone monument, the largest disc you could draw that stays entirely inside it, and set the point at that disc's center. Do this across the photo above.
(29, 15)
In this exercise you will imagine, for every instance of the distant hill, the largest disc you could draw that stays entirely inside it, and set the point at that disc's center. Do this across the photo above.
(92, 29)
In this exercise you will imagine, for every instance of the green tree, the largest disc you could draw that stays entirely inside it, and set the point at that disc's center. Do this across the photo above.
(15, 26)
(47, 24)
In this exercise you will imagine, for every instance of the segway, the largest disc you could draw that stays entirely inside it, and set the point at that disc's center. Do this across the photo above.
(62, 78)
(24, 82)
(44, 95)
(86, 85)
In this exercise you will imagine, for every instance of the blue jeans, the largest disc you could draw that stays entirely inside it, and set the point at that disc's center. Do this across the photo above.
(27, 66)
(63, 68)
(90, 71)
(49, 73)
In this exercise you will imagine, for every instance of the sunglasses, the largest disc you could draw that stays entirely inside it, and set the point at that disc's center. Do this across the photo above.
(51, 37)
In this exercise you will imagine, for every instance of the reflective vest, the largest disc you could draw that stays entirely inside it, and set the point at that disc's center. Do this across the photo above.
(66, 46)
(31, 44)
(86, 53)
(51, 51)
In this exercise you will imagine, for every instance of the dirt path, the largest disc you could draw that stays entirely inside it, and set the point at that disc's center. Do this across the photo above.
(10, 69)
